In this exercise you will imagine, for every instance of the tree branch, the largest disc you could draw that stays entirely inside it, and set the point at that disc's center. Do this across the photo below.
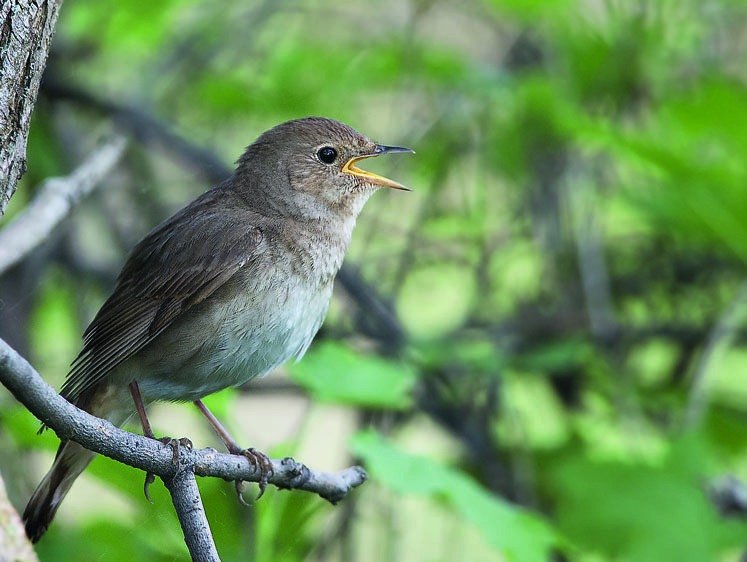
(721, 337)
(144, 126)
(26, 29)
(729, 495)
(155, 457)
(54, 201)
(186, 498)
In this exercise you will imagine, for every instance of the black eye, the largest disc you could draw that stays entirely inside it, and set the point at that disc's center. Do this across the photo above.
(327, 154)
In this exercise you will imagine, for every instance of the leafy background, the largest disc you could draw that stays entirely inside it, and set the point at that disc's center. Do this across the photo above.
(539, 354)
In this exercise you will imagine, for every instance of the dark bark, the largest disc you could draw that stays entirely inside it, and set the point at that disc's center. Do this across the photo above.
(26, 29)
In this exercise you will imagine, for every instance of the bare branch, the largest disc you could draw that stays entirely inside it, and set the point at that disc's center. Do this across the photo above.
(729, 495)
(186, 498)
(719, 341)
(150, 455)
(153, 456)
(54, 201)
(595, 277)
(26, 29)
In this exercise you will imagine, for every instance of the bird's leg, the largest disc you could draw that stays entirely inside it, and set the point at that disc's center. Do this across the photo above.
(257, 458)
(135, 391)
(148, 432)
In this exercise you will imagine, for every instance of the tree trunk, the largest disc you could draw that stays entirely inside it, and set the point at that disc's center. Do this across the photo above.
(26, 28)
(14, 546)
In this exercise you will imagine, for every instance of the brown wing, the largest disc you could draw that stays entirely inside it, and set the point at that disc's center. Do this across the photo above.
(176, 266)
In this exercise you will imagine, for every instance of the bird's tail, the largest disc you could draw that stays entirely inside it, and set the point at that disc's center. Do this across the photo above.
(70, 461)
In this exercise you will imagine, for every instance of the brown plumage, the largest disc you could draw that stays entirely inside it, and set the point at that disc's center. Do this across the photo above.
(227, 289)
(168, 273)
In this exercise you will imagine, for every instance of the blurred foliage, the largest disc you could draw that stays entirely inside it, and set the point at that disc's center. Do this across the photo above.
(518, 535)
(539, 354)
(377, 383)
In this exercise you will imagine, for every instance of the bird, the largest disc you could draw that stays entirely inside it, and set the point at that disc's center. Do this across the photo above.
(229, 288)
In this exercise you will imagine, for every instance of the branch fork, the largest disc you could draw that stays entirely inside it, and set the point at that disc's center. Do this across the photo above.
(156, 457)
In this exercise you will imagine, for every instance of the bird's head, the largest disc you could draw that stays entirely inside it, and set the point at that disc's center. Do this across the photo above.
(307, 168)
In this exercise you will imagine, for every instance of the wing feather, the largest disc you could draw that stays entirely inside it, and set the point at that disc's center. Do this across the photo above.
(179, 264)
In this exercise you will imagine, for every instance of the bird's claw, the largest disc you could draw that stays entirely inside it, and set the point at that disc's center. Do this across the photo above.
(259, 461)
(149, 479)
(174, 444)
(240, 492)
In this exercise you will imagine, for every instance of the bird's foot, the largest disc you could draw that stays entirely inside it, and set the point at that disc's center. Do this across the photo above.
(259, 461)
(174, 444)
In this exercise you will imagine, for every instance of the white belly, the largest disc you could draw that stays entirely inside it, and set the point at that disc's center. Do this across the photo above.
(227, 341)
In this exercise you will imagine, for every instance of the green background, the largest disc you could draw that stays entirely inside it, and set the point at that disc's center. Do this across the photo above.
(538, 354)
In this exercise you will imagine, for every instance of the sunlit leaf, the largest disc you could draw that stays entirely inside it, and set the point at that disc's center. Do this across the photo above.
(516, 533)
(333, 372)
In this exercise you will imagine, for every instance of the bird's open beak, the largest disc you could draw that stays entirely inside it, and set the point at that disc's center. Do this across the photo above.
(349, 167)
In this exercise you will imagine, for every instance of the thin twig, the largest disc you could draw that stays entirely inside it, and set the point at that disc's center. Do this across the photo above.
(595, 277)
(54, 201)
(719, 340)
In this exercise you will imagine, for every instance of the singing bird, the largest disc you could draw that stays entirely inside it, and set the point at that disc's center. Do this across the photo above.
(227, 289)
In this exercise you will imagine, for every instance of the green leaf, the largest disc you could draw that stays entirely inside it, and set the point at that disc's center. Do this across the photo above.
(630, 511)
(53, 332)
(516, 533)
(478, 355)
(530, 10)
(435, 300)
(335, 373)
(557, 355)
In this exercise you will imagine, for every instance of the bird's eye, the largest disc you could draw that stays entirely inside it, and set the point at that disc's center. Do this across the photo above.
(327, 154)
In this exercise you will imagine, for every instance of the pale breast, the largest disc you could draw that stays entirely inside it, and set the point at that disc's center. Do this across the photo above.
(258, 320)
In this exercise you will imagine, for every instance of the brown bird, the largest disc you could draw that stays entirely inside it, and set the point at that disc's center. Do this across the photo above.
(227, 289)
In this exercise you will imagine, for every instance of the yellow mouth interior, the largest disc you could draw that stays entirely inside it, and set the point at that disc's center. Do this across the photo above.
(370, 177)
